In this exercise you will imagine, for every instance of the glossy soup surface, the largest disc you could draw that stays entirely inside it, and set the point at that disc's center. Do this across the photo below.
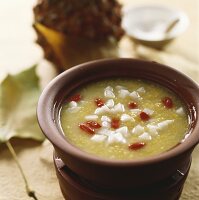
(124, 119)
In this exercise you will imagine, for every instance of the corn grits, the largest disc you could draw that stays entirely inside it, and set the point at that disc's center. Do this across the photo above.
(124, 119)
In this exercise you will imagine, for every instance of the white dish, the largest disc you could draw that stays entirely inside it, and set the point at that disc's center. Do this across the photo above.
(149, 23)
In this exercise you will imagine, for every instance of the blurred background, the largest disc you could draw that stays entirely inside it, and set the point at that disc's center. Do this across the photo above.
(19, 50)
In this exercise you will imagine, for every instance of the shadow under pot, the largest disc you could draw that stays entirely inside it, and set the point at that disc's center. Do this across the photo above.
(107, 173)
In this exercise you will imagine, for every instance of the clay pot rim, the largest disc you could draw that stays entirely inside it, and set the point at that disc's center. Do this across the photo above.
(45, 109)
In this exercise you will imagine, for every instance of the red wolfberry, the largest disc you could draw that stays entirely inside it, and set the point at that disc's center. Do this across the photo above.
(87, 128)
(93, 124)
(99, 102)
(144, 116)
(167, 101)
(76, 98)
(115, 123)
(137, 146)
(132, 105)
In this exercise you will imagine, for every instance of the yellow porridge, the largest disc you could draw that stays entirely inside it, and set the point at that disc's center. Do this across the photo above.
(124, 119)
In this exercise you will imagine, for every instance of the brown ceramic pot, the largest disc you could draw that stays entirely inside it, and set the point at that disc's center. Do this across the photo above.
(75, 187)
(117, 174)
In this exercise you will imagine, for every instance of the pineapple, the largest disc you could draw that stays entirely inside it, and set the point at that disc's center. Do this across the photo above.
(75, 31)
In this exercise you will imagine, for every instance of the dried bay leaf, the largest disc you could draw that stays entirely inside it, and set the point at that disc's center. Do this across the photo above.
(18, 100)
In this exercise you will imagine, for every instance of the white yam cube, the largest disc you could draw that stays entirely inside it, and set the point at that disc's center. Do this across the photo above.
(105, 118)
(101, 110)
(135, 96)
(116, 138)
(141, 90)
(120, 138)
(105, 108)
(152, 129)
(148, 111)
(91, 117)
(118, 108)
(123, 93)
(126, 117)
(108, 92)
(119, 87)
(98, 138)
(104, 131)
(164, 124)
(138, 129)
(109, 88)
(123, 130)
(106, 124)
(72, 104)
(110, 139)
(135, 111)
(110, 103)
(180, 111)
(145, 136)
(98, 111)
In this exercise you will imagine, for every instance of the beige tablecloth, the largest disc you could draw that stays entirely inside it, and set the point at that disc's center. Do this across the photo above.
(18, 51)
